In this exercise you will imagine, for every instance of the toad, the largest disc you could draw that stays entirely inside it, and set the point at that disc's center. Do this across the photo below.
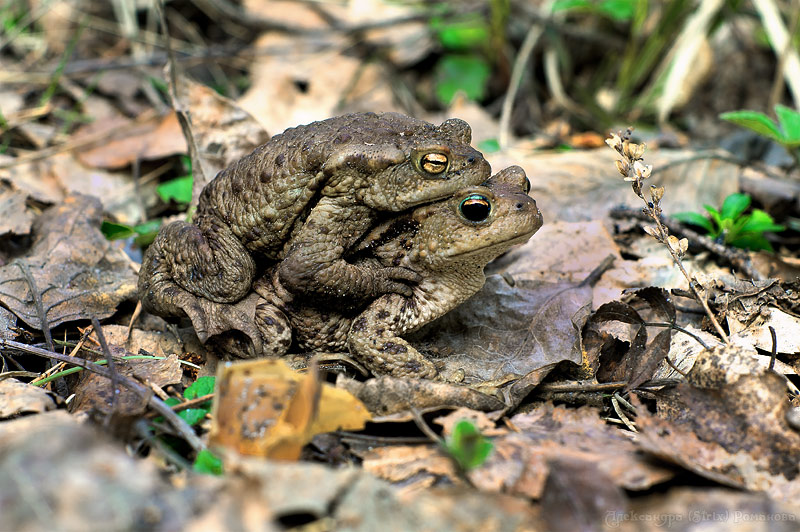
(301, 200)
(447, 244)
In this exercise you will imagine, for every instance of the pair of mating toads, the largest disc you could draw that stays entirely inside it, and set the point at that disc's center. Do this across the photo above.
(340, 235)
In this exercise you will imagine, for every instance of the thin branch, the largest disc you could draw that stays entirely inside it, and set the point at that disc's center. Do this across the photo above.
(185, 431)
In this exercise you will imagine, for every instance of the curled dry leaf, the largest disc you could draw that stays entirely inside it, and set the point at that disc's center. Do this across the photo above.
(96, 393)
(507, 331)
(17, 398)
(75, 271)
(264, 408)
(15, 218)
(728, 423)
(638, 363)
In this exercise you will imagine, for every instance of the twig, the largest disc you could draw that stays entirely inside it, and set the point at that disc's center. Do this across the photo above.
(256, 22)
(155, 403)
(739, 259)
(37, 301)
(615, 399)
(80, 143)
(599, 387)
(524, 54)
(112, 367)
(774, 347)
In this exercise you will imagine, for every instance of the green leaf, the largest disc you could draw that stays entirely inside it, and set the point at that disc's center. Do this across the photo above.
(755, 121)
(761, 222)
(468, 446)
(619, 10)
(178, 189)
(566, 5)
(694, 218)
(789, 120)
(147, 232)
(462, 34)
(467, 73)
(716, 217)
(202, 386)
(193, 416)
(207, 463)
(752, 242)
(172, 401)
(489, 146)
(734, 205)
(115, 231)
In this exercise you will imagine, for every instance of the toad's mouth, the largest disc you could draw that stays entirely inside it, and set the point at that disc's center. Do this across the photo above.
(504, 244)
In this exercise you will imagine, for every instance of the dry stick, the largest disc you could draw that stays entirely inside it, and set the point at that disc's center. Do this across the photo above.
(80, 143)
(37, 301)
(517, 70)
(256, 22)
(180, 112)
(774, 348)
(112, 367)
(183, 429)
(738, 258)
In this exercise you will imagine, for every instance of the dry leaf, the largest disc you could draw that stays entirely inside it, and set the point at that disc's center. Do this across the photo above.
(264, 408)
(17, 398)
(74, 269)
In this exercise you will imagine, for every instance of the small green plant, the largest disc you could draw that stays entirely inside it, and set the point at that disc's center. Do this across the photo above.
(207, 463)
(785, 132)
(145, 232)
(199, 388)
(732, 226)
(619, 10)
(464, 67)
(468, 447)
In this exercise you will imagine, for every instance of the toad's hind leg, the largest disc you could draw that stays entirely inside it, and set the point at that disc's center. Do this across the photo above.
(206, 260)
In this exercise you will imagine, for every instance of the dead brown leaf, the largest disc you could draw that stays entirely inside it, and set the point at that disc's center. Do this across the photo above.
(520, 463)
(264, 408)
(509, 330)
(17, 398)
(51, 457)
(74, 269)
(578, 495)
(728, 423)
(96, 393)
(156, 138)
(15, 217)
(222, 130)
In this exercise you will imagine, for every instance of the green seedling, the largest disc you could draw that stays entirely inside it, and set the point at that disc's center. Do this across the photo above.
(730, 225)
(467, 446)
(199, 388)
(207, 463)
(464, 66)
(785, 132)
(144, 233)
(619, 10)
(180, 188)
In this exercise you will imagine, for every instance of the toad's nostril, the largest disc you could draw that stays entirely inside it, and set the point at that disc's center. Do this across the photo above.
(519, 205)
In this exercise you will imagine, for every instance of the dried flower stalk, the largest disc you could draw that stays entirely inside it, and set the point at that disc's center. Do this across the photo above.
(634, 170)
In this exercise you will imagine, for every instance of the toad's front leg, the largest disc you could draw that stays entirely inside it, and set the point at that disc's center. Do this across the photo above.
(313, 264)
(374, 339)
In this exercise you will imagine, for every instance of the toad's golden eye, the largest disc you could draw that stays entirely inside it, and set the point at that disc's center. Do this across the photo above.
(475, 208)
(434, 163)
(527, 186)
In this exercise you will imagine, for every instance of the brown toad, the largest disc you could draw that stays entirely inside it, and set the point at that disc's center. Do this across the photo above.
(447, 244)
(303, 198)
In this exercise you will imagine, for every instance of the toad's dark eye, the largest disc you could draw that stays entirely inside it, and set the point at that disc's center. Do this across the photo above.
(527, 186)
(434, 163)
(475, 208)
